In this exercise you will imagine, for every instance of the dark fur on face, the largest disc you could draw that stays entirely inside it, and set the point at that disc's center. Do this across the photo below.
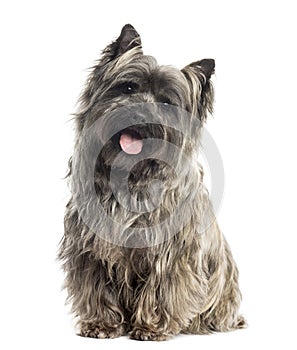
(155, 284)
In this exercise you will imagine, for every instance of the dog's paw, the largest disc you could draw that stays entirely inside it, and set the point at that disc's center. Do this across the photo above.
(100, 330)
(241, 322)
(144, 334)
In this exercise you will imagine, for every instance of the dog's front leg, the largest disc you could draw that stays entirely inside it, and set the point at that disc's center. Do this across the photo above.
(167, 302)
(94, 297)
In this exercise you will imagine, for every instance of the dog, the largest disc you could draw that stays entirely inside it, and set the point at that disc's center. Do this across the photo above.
(142, 252)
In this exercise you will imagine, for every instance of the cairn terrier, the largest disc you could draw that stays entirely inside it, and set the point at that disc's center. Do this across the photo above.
(142, 252)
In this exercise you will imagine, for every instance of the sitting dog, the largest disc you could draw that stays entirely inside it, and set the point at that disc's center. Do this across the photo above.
(142, 252)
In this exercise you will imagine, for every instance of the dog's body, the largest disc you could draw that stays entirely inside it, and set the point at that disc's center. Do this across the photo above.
(156, 283)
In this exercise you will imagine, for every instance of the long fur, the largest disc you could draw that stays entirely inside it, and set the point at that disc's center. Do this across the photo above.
(187, 283)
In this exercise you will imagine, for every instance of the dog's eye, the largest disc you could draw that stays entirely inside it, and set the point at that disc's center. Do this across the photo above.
(166, 101)
(129, 88)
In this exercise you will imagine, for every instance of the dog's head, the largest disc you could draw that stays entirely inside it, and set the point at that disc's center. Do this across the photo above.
(138, 128)
(136, 99)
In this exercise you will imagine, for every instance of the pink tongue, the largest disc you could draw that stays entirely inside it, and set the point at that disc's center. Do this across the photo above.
(130, 144)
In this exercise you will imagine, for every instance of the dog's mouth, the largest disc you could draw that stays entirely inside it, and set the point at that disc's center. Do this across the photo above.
(130, 141)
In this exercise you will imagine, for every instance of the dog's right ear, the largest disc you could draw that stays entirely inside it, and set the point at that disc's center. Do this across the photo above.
(128, 39)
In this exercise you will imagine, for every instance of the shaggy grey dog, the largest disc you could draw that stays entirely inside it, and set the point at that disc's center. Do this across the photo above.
(142, 251)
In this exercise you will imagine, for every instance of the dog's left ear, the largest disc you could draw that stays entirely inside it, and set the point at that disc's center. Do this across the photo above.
(206, 66)
(198, 75)
(203, 69)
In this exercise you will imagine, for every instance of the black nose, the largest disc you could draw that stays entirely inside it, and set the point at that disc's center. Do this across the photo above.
(137, 119)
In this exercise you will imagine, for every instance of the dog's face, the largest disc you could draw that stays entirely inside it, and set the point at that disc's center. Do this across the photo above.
(140, 100)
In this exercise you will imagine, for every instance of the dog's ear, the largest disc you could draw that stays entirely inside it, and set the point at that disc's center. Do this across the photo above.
(128, 39)
(206, 66)
(198, 75)
(203, 69)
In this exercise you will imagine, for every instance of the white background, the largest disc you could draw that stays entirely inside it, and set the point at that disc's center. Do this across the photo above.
(46, 47)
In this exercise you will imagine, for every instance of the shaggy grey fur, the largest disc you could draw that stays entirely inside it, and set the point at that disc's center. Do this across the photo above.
(127, 271)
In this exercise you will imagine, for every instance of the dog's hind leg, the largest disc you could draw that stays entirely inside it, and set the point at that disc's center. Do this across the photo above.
(222, 313)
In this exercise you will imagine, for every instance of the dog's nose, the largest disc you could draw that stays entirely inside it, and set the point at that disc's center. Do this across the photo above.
(137, 119)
